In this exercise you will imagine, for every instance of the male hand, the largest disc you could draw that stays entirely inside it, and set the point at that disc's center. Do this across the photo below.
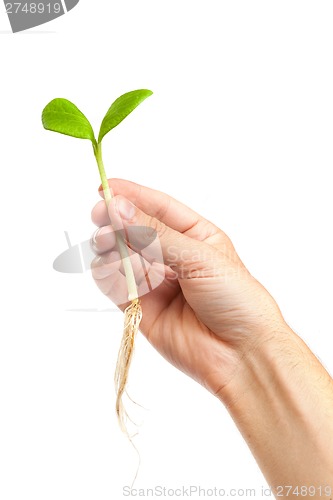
(208, 312)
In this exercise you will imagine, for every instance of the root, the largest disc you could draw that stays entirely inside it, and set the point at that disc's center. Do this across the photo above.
(133, 315)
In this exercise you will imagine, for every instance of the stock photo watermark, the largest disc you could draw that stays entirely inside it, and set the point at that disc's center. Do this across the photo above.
(25, 15)
(144, 242)
(151, 264)
(96, 255)
(218, 492)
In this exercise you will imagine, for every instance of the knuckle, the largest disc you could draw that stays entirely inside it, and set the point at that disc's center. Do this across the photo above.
(163, 209)
(154, 226)
(204, 229)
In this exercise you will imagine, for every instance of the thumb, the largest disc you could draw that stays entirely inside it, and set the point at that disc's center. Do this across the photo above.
(188, 257)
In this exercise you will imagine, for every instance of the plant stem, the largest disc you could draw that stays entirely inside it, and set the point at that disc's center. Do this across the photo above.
(123, 250)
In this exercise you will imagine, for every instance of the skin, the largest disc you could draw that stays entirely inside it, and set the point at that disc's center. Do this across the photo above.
(214, 321)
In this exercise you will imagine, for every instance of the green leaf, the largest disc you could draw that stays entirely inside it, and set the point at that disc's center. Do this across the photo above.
(62, 116)
(121, 108)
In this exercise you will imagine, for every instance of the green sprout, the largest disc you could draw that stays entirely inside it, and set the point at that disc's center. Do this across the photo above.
(62, 116)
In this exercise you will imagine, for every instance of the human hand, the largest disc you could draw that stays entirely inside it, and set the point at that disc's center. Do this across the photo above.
(208, 312)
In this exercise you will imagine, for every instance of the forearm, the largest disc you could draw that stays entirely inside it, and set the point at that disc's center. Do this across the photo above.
(281, 399)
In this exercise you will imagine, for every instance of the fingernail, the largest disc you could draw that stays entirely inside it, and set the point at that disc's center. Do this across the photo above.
(95, 236)
(125, 208)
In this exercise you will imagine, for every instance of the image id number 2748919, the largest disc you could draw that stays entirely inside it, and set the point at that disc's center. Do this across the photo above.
(303, 491)
(32, 8)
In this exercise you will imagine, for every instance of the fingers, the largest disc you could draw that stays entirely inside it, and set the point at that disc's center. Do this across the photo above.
(154, 203)
(160, 206)
(114, 286)
(188, 257)
(108, 273)
(104, 267)
(136, 237)
(99, 214)
(103, 240)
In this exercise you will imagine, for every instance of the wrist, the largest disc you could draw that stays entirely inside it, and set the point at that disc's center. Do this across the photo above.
(275, 351)
(281, 399)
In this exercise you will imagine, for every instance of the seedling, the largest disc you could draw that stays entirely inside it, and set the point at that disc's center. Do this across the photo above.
(62, 116)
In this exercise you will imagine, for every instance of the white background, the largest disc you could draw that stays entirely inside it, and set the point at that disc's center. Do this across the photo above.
(240, 128)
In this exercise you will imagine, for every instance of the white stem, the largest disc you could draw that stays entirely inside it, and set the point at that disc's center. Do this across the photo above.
(128, 268)
(123, 250)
